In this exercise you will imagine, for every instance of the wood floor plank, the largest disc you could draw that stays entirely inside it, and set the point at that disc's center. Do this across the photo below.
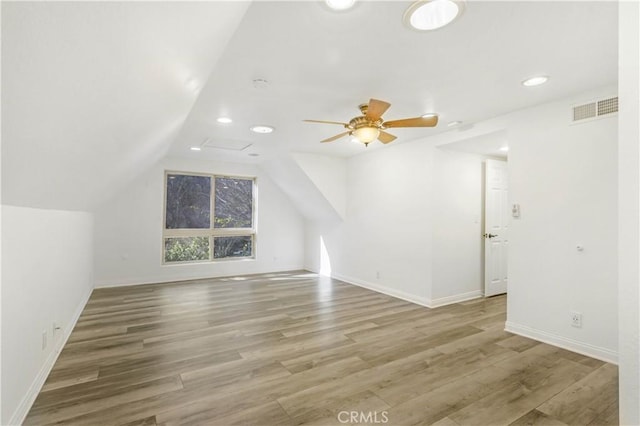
(515, 400)
(582, 402)
(85, 405)
(293, 348)
(442, 369)
(363, 402)
(518, 343)
(608, 417)
(536, 418)
(148, 421)
(446, 421)
(62, 377)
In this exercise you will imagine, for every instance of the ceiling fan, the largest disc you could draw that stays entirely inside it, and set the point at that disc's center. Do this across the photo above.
(370, 126)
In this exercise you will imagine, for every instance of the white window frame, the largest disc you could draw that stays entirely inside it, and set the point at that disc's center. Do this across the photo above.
(211, 232)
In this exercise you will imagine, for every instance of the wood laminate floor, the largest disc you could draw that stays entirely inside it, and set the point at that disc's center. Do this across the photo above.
(294, 348)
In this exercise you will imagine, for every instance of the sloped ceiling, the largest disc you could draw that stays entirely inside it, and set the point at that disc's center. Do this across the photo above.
(92, 93)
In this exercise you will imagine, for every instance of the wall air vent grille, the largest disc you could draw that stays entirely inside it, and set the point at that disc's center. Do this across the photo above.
(593, 110)
(608, 106)
(582, 112)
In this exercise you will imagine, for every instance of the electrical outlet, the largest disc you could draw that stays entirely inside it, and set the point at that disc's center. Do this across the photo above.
(576, 319)
(44, 339)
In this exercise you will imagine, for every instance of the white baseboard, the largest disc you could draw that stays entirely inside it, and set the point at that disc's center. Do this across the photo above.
(592, 351)
(456, 298)
(384, 290)
(164, 279)
(422, 301)
(27, 401)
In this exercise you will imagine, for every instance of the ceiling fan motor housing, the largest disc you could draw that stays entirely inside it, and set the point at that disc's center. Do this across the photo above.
(362, 121)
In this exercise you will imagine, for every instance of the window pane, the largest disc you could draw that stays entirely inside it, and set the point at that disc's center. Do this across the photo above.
(232, 247)
(188, 202)
(234, 203)
(186, 249)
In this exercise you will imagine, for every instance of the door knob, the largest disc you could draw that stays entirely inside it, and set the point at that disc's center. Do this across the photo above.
(490, 235)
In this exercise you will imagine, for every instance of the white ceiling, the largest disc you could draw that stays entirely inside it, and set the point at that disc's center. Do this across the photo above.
(94, 92)
(321, 64)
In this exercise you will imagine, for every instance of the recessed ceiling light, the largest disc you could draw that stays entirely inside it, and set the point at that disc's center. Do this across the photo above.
(427, 15)
(262, 129)
(504, 149)
(340, 4)
(429, 115)
(195, 148)
(224, 120)
(454, 123)
(535, 81)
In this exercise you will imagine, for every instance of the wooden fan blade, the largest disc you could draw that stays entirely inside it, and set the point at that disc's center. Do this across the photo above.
(412, 122)
(326, 122)
(376, 108)
(336, 137)
(385, 137)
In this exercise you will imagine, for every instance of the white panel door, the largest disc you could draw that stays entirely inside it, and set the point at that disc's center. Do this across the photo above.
(496, 237)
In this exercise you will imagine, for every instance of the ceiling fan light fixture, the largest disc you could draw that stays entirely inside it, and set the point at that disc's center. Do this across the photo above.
(366, 135)
(340, 4)
(429, 15)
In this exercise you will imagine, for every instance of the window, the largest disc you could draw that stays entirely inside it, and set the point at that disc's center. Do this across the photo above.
(208, 218)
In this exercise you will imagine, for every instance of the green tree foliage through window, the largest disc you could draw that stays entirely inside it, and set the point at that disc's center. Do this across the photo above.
(186, 249)
(232, 247)
(191, 233)
(188, 202)
(234, 203)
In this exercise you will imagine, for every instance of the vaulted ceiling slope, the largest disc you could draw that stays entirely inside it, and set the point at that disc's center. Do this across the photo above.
(93, 92)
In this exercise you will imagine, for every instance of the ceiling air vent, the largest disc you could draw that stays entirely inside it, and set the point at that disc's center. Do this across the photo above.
(594, 110)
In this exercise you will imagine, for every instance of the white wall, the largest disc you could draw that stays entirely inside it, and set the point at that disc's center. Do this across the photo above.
(458, 212)
(565, 179)
(128, 230)
(46, 277)
(413, 224)
(329, 175)
(386, 236)
(299, 187)
(629, 209)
